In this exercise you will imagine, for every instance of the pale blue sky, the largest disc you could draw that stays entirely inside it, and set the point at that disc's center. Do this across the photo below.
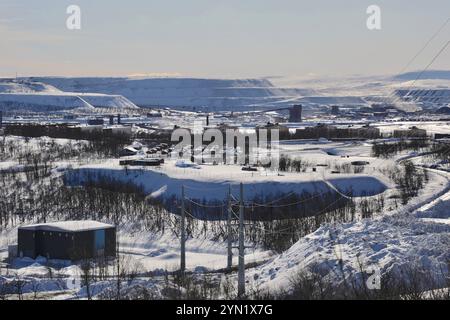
(218, 38)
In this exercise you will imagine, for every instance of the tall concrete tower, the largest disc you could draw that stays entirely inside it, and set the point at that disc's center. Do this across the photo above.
(295, 113)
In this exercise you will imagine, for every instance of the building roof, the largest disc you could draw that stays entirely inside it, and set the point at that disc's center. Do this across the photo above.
(130, 148)
(68, 226)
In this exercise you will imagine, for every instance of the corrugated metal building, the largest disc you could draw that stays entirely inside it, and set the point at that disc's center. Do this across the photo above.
(68, 240)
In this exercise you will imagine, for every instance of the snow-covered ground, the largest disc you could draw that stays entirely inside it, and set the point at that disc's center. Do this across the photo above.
(418, 233)
(322, 155)
(414, 236)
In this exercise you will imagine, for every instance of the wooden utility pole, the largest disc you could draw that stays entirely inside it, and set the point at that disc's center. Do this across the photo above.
(183, 233)
(229, 231)
(241, 271)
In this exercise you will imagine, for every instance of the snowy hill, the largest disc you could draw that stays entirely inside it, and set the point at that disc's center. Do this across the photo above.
(26, 95)
(431, 88)
(415, 236)
(438, 97)
(220, 94)
(430, 75)
(16, 86)
(216, 94)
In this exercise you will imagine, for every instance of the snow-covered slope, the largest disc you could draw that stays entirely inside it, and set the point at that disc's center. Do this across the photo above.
(23, 86)
(432, 88)
(430, 96)
(21, 95)
(415, 236)
(216, 94)
(237, 94)
(430, 74)
(61, 101)
(390, 244)
(365, 86)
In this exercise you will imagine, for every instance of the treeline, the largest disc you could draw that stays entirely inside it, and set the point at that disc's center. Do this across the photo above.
(441, 152)
(388, 149)
(331, 132)
(409, 180)
(288, 164)
(103, 141)
(49, 150)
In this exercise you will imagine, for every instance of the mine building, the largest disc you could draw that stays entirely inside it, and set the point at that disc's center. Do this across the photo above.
(68, 240)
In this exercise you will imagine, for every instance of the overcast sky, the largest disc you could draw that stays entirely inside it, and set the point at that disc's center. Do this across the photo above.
(219, 38)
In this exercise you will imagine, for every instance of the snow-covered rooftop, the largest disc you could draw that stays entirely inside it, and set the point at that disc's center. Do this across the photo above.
(68, 226)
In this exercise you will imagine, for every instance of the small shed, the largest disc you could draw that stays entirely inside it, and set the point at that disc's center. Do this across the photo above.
(68, 240)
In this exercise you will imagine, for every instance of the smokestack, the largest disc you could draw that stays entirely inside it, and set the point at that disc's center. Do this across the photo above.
(119, 121)
(207, 120)
(1, 119)
(111, 120)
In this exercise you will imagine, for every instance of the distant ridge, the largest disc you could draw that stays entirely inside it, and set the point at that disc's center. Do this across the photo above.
(428, 75)
(192, 93)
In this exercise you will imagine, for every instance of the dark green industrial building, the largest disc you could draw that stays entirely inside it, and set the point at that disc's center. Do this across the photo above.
(68, 240)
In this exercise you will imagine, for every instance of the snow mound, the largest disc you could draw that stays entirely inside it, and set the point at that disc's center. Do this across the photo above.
(30, 95)
(42, 102)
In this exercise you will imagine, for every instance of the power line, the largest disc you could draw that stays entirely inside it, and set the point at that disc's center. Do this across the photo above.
(183, 233)
(282, 231)
(425, 46)
(204, 188)
(241, 259)
(429, 65)
(205, 205)
(287, 204)
(396, 98)
(276, 200)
